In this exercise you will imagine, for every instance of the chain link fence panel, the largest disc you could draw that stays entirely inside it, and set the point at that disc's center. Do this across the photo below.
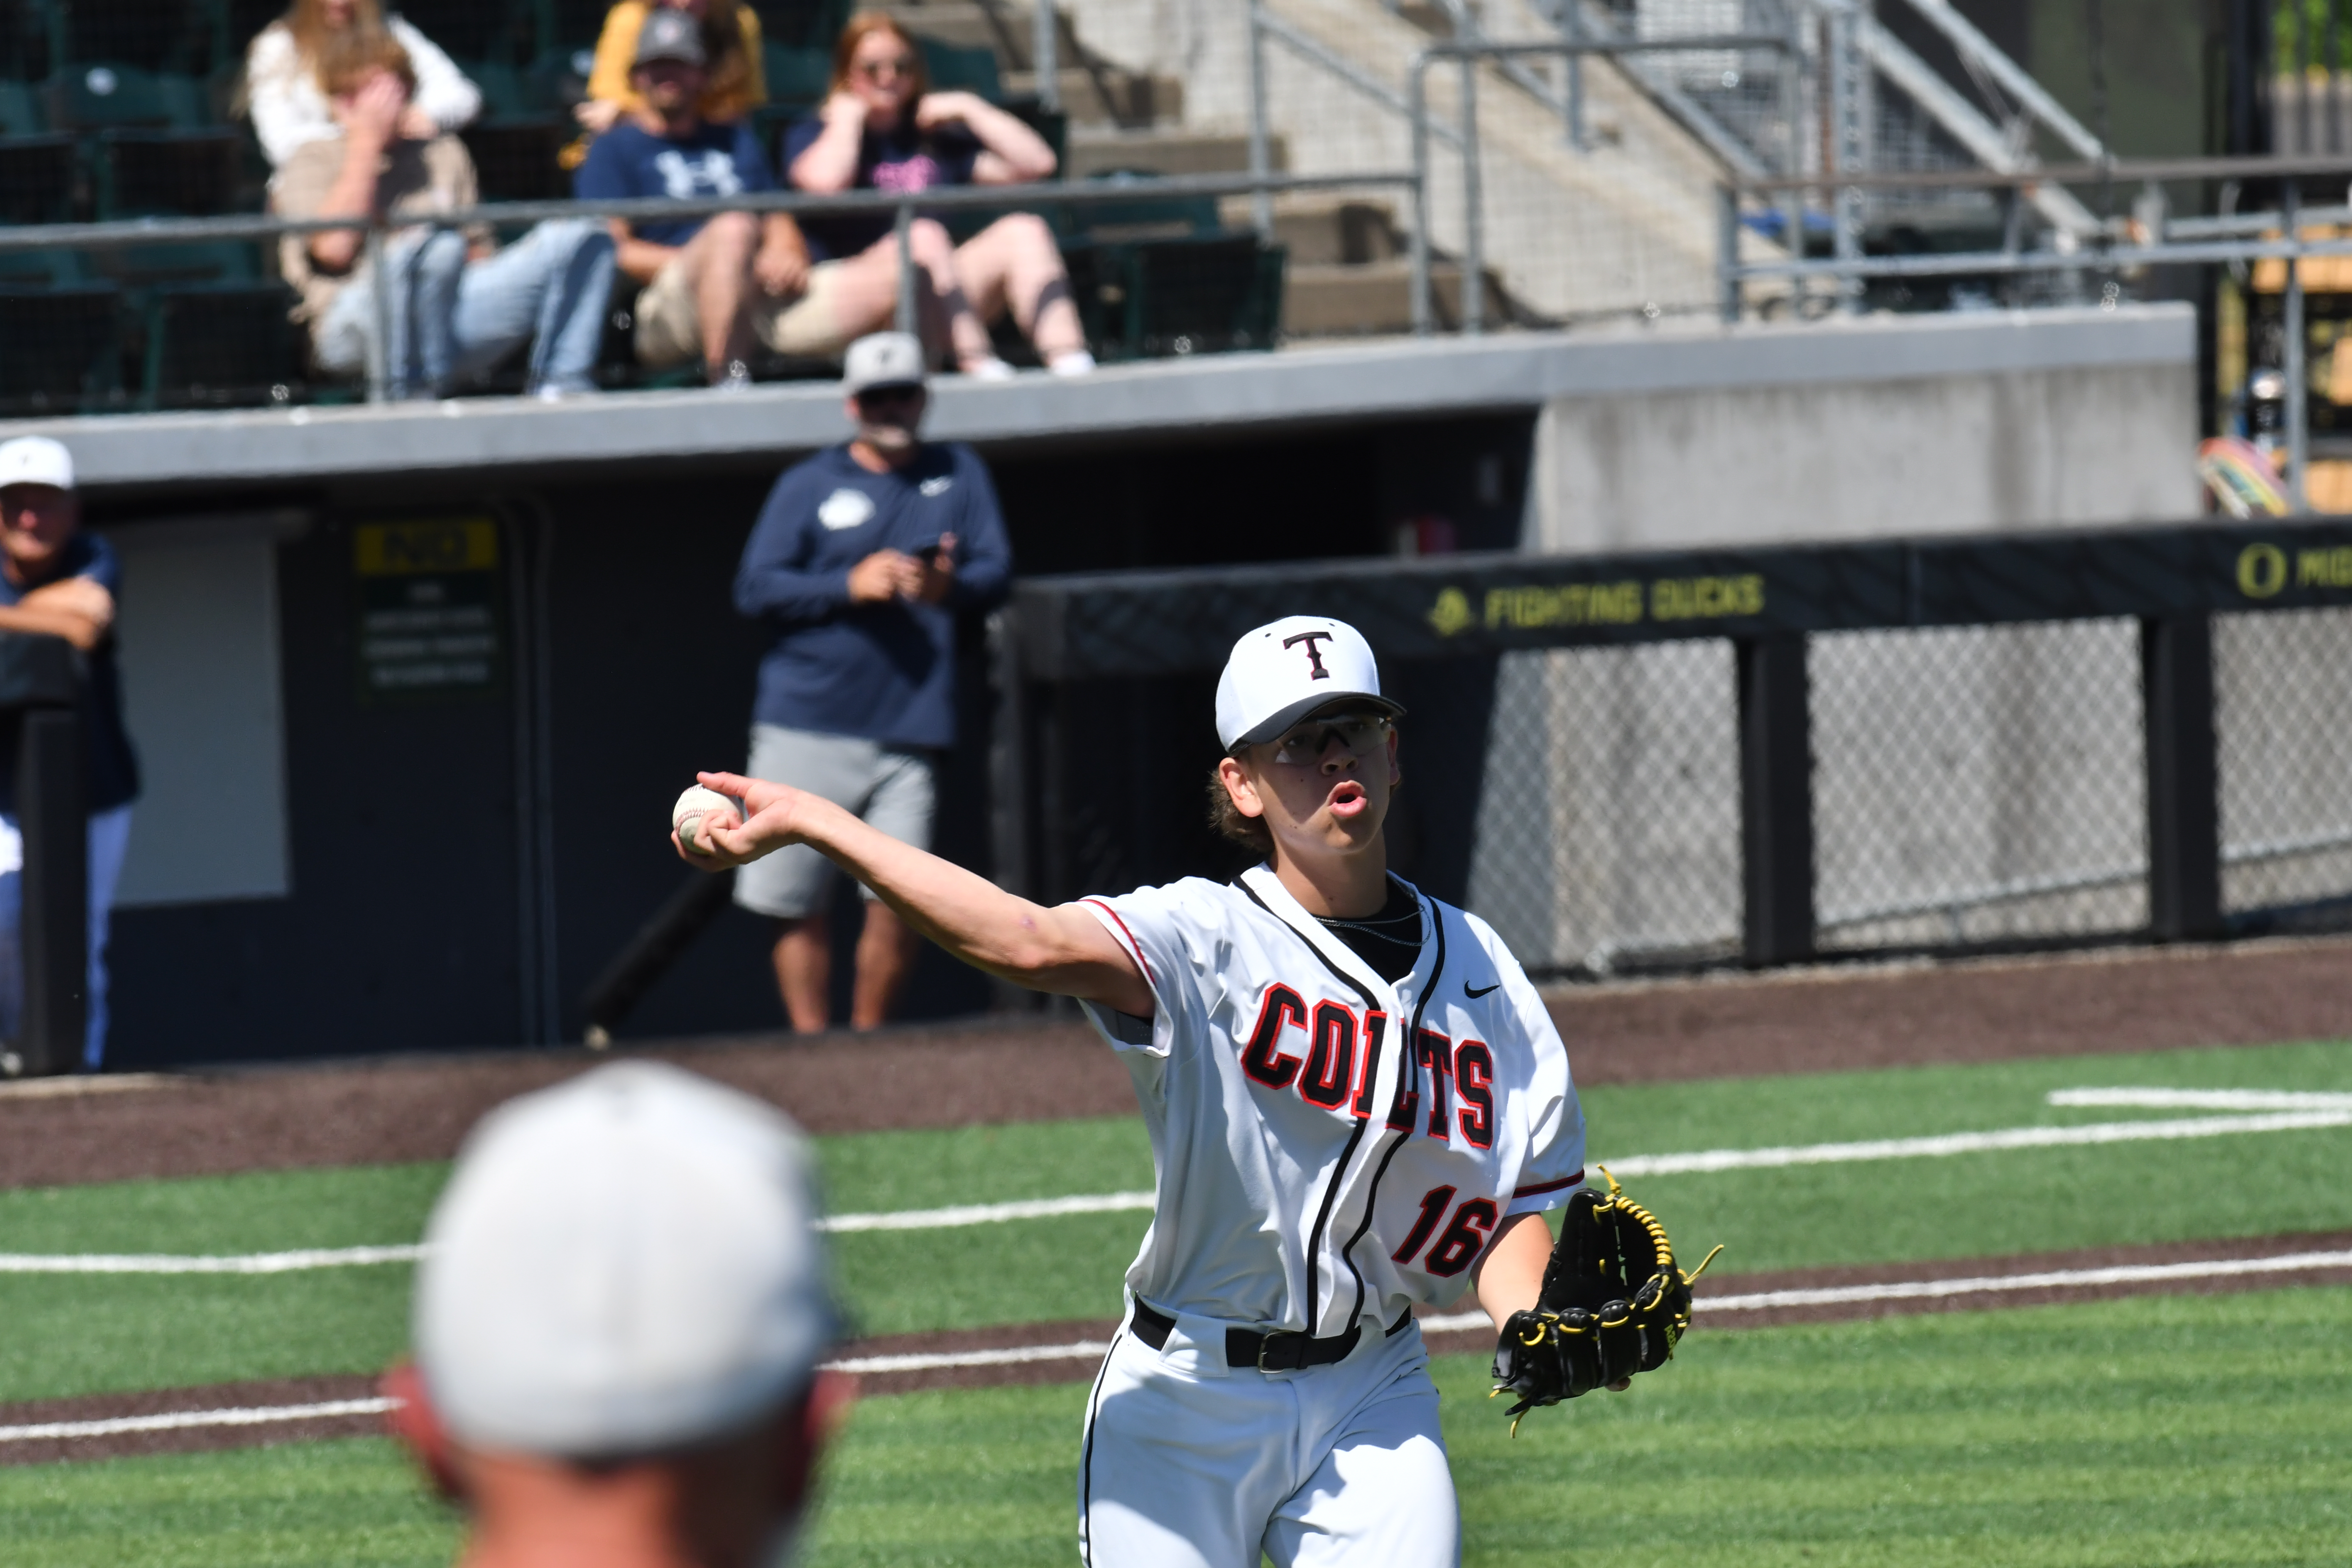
(2283, 722)
(1985, 784)
(1609, 823)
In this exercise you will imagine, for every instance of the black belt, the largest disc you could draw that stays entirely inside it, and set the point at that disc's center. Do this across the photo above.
(1280, 1350)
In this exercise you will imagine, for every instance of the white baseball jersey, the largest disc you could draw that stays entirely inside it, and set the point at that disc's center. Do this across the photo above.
(1330, 1148)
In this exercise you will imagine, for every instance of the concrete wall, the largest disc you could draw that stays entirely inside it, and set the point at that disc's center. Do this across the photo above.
(1911, 441)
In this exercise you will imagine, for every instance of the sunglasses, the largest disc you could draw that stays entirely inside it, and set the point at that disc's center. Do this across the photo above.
(876, 70)
(1359, 735)
(883, 397)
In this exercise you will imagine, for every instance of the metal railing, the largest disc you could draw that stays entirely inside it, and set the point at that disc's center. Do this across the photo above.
(2120, 245)
(903, 209)
(1465, 53)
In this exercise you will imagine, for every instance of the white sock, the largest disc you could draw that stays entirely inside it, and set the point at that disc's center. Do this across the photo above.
(1078, 362)
(991, 369)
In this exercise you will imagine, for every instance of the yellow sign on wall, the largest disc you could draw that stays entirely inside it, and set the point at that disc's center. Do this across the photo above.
(444, 544)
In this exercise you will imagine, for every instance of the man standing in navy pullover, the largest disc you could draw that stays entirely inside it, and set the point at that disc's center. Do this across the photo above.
(859, 564)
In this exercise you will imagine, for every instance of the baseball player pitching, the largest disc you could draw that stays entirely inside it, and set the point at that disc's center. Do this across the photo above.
(1358, 1105)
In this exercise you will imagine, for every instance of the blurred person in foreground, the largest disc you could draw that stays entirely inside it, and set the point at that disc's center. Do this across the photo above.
(618, 1325)
(286, 93)
(858, 566)
(458, 306)
(883, 129)
(56, 580)
(715, 284)
(731, 36)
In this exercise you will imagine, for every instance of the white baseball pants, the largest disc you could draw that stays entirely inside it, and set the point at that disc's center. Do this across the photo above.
(1188, 1463)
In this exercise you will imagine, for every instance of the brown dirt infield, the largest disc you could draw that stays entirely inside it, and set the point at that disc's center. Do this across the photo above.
(392, 1109)
(1075, 1369)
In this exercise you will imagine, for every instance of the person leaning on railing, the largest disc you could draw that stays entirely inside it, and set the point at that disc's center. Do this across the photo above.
(883, 129)
(714, 284)
(453, 307)
(285, 95)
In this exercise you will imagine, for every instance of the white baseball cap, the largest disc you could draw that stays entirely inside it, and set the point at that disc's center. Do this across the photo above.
(620, 1265)
(36, 460)
(1287, 670)
(882, 359)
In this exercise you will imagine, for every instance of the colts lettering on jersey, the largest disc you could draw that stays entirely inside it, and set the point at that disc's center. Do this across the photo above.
(1332, 1059)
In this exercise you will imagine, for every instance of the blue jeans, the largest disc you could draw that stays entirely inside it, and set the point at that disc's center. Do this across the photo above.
(452, 319)
(109, 840)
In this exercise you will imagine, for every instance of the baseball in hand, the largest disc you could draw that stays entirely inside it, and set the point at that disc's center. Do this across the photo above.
(692, 808)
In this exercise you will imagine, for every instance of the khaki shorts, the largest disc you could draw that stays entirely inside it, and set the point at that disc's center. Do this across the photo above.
(669, 325)
(890, 786)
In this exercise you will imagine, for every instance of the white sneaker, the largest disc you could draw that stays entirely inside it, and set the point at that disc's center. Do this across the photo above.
(992, 369)
(1078, 362)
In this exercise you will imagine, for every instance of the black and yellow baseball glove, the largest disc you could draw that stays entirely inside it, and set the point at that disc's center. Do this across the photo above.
(1613, 1303)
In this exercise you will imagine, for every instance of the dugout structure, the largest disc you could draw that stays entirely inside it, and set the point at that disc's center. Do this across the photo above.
(1811, 715)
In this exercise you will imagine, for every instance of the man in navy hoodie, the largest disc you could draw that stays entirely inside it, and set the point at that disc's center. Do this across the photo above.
(859, 564)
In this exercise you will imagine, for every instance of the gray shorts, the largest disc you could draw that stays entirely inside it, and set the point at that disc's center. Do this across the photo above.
(889, 786)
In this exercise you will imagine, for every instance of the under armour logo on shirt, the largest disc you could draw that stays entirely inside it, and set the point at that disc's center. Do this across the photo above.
(707, 172)
(1314, 654)
(937, 486)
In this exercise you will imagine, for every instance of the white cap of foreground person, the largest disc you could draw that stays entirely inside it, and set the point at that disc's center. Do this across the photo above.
(618, 1319)
(36, 460)
(1291, 668)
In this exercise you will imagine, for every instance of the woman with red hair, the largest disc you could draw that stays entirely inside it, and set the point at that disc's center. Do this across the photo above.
(882, 128)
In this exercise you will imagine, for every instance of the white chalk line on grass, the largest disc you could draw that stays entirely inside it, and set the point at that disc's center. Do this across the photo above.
(1979, 1284)
(172, 1263)
(1076, 1350)
(180, 1420)
(986, 1214)
(2003, 1139)
(1088, 1350)
(2204, 1098)
(2267, 1110)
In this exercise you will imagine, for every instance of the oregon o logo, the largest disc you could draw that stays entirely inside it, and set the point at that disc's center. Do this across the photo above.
(1451, 614)
(2262, 570)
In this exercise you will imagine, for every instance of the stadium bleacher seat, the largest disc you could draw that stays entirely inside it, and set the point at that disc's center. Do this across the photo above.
(24, 40)
(220, 345)
(179, 174)
(38, 176)
(172, 37)
(797, 77)
(572, 24)
(470, 31)
(59, 350)
(20, 111)
(95, 96)
(1210, 293)
(1149, 216)
(958, 69)
(803, 24)
(1203, 294)
(515, 160)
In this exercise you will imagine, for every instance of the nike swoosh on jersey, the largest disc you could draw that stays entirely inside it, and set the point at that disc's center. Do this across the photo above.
(1475, 992)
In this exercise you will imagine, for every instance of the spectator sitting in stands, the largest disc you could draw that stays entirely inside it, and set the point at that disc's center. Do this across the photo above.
(737, 83)
(285, 94)
(619, 1323)
(883, 129)
(457, 309)
(713, 284)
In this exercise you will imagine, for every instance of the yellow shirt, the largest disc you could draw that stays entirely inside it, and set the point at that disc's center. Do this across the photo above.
(618, 47)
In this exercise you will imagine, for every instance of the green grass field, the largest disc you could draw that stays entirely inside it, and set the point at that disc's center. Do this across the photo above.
(2133, 1434)
(2162, 1431)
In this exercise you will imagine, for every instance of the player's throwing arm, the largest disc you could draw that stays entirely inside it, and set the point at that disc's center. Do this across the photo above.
(1358, 1107)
